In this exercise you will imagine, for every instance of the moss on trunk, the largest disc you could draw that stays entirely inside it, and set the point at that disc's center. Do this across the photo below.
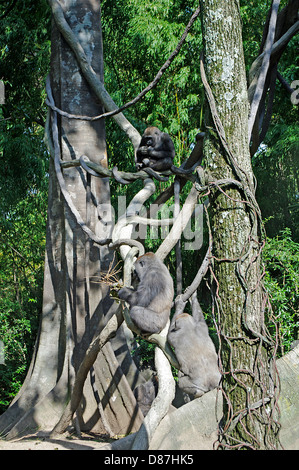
(246, 349)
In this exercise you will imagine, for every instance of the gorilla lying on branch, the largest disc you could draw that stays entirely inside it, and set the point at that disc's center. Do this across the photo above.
(195, 351)
(150, 303)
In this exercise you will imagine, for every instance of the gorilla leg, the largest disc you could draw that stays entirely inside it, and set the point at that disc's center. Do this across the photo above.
(189, 387)
(147, 320)
(160, 165)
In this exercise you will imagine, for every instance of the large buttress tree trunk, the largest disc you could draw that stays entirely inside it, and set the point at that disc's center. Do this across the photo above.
(75, 304)
(246, 350)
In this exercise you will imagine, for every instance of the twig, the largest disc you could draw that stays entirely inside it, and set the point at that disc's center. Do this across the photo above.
(110, 277)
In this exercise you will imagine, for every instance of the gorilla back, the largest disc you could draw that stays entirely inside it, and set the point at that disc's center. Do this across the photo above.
(150, 303)
(195, 352)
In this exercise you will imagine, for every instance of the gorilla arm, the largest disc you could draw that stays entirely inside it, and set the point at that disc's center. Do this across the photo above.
(197, 314)
(128, 294)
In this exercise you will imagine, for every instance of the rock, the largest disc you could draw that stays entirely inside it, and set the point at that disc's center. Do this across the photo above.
(288, 368)
(194, 426)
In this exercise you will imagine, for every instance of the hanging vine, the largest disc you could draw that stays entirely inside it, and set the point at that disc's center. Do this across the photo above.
(251, 253)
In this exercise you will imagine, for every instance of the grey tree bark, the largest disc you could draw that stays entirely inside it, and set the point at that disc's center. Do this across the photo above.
(75, 304)
(246, 350)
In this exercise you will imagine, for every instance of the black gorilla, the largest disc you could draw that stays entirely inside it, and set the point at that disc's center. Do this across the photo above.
(156, 150)
(151, 301)
(195, 352)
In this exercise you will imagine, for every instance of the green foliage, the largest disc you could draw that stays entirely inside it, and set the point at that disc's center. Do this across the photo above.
(22, 246)
(281, 256)
(139, 36)
(276, 168)
(144, 353)
(24, 62)
(146, 33)
(15, 333)
(24, 53)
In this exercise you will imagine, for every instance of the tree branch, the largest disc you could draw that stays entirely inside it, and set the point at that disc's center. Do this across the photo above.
(96, 169)
(108, 332)
(199, 276)
(178, 250)
(267, 116)
(264, 68)
(145, 90)
(179, 225)
(123, 230)
(56, 148)
(277, 47)
(284, 83)
(160, 405)
(90, 75)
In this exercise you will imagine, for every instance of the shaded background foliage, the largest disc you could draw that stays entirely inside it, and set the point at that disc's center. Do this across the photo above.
(24, 61)
(139, 35)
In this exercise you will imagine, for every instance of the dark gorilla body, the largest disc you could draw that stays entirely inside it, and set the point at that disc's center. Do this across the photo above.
(195, 352)
(150, 303)
(156, 150)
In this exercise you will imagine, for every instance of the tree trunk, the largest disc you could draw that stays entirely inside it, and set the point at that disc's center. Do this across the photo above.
(75, 304)
(246, 350)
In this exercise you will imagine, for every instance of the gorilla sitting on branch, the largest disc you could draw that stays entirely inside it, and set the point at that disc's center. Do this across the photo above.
(151, 301)
(156, 150)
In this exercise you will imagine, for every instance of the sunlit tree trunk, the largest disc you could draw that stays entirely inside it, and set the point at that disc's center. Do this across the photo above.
(75, 304)
(246, 350)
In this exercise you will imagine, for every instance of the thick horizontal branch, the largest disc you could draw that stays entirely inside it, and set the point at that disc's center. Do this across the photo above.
(128, 242)
(96, 169)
